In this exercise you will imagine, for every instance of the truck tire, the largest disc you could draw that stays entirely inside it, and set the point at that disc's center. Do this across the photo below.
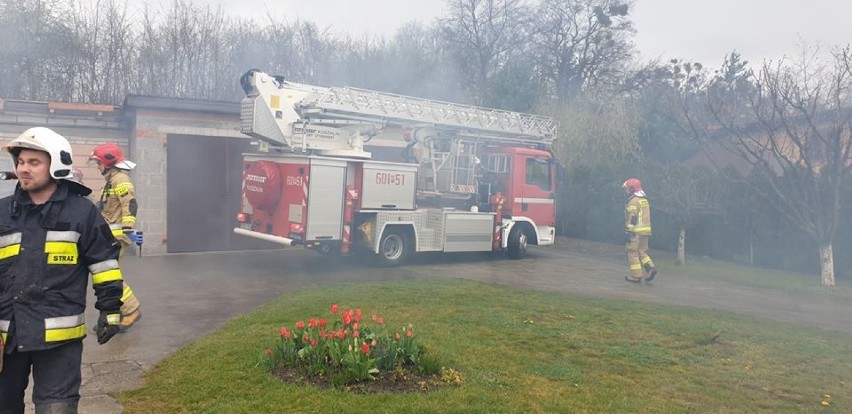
(517, 243)
(394, 248)
(330, 250)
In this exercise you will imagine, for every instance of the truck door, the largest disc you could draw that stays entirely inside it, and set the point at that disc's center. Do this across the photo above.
(535, 192)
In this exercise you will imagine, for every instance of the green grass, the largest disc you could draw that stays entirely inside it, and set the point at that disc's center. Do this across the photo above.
(522, 351)
(791, 282)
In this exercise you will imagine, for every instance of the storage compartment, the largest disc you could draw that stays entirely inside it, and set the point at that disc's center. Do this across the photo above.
(387, 185)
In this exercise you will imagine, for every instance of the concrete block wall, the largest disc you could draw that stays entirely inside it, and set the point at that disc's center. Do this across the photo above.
(149, 177)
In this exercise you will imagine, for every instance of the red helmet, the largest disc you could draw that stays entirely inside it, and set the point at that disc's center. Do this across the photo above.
(632, 185)
(110, 155)
(107, 154)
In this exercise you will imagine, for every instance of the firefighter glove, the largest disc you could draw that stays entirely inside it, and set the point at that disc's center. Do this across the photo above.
(109, 323)
(135, 237)
(628, 236)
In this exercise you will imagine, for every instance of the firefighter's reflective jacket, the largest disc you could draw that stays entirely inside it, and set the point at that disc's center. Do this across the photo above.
(638, 215)
(118, 203)
(47, 252)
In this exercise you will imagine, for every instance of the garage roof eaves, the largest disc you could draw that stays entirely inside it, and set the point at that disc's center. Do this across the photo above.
(181, 104)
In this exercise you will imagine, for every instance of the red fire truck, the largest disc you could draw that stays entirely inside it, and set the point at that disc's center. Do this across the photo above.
(466, 178)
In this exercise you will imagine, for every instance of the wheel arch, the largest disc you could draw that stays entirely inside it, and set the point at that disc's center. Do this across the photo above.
(526, 224)
(407, 226)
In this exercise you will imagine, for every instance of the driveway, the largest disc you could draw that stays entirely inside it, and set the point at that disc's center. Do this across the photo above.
(185, 296)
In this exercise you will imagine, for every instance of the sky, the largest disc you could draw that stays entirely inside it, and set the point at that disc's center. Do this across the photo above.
(697, 30)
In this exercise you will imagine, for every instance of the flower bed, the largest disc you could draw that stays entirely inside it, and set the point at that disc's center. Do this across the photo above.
(347, 349)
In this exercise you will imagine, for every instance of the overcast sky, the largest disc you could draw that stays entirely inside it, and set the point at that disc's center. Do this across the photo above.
(698, 30)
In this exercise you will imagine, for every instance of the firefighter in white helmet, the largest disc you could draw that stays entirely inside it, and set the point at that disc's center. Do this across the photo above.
(637, 228)
(118, 205)
(51, 239)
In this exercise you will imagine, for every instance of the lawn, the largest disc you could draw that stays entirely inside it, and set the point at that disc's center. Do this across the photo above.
(522, 351)
(786, 281)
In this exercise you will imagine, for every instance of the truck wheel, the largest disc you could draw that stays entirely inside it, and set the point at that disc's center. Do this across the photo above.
(394, 248)
(517, 243)
(330, 250)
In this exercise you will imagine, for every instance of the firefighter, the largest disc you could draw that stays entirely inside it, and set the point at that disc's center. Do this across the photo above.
(51, 239)
(117, 203)
(637, 229)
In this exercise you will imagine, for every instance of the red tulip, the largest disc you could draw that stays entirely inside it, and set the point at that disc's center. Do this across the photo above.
(355, 325)
(356, 333)
(269, 351)
(347, 319)
(300, 325)
(312, 323)
(313, 342)
(305, 338)
(329, 336)
(322, 323)
(282, 331)
(381, 321)
(322, 332)
(365, 348)
(334, 308)
(374, 318)
(409, 334)
(341, 334)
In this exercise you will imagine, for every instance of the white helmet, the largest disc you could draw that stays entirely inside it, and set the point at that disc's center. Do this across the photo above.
(55, 145)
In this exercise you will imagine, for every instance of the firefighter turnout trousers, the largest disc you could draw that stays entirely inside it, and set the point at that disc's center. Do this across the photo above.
(56, 376)
(637, 255)
(130, 304)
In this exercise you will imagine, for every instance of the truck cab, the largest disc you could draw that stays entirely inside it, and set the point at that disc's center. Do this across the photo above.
(526, 178)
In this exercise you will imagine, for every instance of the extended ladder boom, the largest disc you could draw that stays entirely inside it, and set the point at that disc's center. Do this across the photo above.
(355, 103)
(337, 121)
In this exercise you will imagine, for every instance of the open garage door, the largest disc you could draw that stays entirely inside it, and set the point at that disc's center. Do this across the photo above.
(203, 190)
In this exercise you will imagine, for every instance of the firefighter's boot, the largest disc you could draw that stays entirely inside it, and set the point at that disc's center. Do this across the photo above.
(652, 272)
(129, 308)
(128, 320)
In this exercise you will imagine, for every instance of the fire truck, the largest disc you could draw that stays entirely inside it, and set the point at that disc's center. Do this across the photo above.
(466, 178)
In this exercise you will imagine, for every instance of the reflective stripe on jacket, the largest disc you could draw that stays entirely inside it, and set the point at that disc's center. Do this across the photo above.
(637, 215)
(47, 253)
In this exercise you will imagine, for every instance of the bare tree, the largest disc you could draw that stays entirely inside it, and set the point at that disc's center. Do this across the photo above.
(422, 64)
(579, 43)
(484, 34)
(689, 195)
(796, 140)
(105, 51)
(181, 51)
(36, 59)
